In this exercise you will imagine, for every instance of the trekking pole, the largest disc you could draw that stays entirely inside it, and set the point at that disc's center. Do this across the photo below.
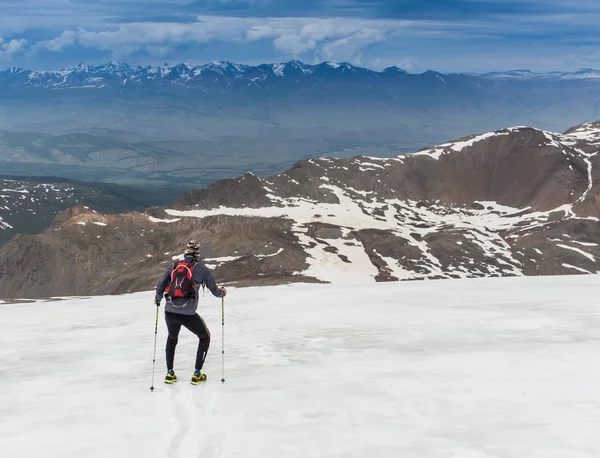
(222, 340)
(154, 358)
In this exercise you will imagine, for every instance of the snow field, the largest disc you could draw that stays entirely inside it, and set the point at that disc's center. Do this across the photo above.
(461, 368)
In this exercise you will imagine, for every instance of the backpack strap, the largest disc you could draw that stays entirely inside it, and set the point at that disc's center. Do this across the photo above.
(193, 265)
(173, 267)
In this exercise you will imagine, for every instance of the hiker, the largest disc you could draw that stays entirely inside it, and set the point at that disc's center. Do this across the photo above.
(180, 285)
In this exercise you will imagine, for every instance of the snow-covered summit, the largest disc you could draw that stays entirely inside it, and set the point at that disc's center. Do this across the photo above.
(589, 131)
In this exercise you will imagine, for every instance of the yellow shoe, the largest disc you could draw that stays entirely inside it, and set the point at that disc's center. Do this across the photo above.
(170, 377)
(198, 378)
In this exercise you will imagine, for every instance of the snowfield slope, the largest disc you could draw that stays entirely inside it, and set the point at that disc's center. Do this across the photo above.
(517, 201)
(478, 368)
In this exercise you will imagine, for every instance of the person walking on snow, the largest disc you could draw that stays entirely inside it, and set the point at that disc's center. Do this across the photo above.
(179, 285)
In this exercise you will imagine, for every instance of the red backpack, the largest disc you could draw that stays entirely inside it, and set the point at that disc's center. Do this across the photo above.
(181, 280)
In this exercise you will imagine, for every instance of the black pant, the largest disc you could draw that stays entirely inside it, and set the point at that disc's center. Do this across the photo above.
(195, 324)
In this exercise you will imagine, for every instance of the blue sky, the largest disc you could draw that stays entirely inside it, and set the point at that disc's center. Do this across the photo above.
(450, 35)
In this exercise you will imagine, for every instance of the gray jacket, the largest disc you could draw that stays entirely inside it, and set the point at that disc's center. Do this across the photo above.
(187, 306)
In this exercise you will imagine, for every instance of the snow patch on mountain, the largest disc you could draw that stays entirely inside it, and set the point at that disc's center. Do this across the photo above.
(348, 264)
(159, 220)
(4, 224)
(457, 146)
(577, 250)
(18, 195)
(278, 69)
(584, 243)
(344, 259)
(586, 132)
(578, 269)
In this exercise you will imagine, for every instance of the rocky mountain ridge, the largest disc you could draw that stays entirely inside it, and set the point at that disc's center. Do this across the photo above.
(517, 201)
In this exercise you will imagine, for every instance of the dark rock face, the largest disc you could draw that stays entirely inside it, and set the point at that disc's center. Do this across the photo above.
(517, 201)
(246, 191)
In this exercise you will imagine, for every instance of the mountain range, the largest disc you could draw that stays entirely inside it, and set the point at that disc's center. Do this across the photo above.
(515, 201)
(183, 125)
(227, 76)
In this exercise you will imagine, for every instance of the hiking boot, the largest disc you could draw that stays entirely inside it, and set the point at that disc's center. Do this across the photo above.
(170, 377)
(198, 378)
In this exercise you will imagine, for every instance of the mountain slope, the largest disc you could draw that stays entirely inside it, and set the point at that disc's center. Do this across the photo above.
(517, 201)
(448, 368)
(485, 167)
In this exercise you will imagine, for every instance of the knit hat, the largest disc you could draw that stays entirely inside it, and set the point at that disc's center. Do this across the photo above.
(192, 249)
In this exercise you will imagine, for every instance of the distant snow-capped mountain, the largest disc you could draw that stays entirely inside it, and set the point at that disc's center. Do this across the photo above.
(125, 76)
(116, 74)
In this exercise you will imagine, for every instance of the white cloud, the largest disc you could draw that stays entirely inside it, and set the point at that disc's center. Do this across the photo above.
(15, 46)
(141, 34)
(9, 48)
(294, 44)
(350, 48)
(310, 39)
(306, 37)
(65, 40)
(334, 38)
(160, 51)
